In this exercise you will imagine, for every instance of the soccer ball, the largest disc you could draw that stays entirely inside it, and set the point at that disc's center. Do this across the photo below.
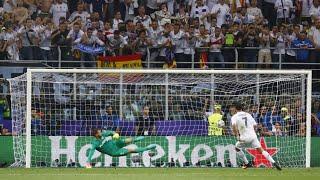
(221, 124)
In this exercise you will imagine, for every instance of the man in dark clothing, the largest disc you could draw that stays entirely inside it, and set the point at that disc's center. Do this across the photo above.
(59, 38)
(110, 120)
(145, 124)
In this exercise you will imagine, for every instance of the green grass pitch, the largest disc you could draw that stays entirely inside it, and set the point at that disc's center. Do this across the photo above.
(158, 174)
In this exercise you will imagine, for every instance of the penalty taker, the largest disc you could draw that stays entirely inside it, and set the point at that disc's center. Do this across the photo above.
(114, 146)
(243, 126)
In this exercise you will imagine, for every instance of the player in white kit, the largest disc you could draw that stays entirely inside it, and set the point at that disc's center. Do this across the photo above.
(243, 127)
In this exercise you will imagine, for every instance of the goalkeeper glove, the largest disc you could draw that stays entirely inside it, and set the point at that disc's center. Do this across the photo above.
(115, 136)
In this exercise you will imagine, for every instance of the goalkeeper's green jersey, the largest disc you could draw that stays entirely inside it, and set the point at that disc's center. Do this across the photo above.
(104, 145)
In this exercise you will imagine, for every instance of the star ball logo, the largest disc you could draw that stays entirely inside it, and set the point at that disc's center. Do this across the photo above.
(258, 158)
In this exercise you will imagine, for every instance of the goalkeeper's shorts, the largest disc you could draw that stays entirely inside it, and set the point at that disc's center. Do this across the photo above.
(119, 152)
(117, 148)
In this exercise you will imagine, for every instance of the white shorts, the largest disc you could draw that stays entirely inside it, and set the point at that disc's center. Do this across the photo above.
(254, 143)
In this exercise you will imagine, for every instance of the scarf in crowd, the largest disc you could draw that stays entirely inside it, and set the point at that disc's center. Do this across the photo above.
(90, 49)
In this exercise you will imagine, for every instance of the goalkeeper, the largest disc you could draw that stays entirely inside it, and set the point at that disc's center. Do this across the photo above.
(114, 147)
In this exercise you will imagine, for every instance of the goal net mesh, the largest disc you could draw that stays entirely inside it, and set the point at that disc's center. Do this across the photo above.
(171, 110)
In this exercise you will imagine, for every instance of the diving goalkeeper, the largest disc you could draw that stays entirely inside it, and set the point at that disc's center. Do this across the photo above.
(114, 147)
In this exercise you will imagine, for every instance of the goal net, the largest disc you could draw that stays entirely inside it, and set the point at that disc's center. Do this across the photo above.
(54, 112)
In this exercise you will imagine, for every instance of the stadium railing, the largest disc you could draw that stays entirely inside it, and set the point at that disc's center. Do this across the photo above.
(237, 61)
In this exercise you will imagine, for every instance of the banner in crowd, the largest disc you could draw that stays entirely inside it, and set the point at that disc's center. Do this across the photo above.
(90, 49)
(180, 149)
(120, 62)
(203, 60)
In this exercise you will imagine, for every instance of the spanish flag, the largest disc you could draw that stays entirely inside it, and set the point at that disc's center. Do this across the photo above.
(120, 62)
(203, 60)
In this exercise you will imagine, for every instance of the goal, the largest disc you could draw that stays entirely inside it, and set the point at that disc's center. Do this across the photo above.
(54, 111)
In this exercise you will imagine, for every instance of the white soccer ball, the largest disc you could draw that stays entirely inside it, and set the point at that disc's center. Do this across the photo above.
(221, 124)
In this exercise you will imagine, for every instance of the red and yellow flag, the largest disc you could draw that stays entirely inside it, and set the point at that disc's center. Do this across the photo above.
(120, 62)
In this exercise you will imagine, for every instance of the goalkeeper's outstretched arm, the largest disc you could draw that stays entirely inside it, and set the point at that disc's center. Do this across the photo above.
(97, 134)
(94, 145)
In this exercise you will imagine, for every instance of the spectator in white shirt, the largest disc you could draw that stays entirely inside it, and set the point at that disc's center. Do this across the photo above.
(211, 3)
(315, 10)
(166, 44)
(315, 37)
(116, 42)
(84, 15)
(141, 45)
(253, 10)
(303, 8)
(182, 14)
(163, 13)
(188, 45)
(58, 10)
(283, 8)
(152, 6)
(127, 9)
(264, 55)
(117, 19)
(177, 36)
(202, 37)
(27, 36)
(107, 28)
(154, 32)
(192, 4)
(142, 17)
(11, 39)
(75, 34)
(38, 25)
(9, 5)
(202, 12)
(215, 55)
(45, 40)
(220, 11)
(89, 39)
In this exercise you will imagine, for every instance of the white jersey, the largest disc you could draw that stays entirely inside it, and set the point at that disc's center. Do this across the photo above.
(245, 125)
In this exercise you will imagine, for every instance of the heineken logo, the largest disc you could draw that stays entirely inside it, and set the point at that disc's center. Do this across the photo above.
(178, 149)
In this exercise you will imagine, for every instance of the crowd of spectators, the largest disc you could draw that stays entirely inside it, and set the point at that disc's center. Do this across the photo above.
(146, 106)
(172, 29)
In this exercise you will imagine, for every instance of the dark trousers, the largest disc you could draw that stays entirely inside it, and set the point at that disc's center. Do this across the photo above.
(215, 57)
(289, 59)
(26, 53)
(276, 60)
(87, 60)
(250, 56)
(180, 60)
(229, 56)
(187, 58)
(46, 55)
(269, 12)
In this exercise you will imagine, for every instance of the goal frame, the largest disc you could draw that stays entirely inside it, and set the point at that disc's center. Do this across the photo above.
(307, 73)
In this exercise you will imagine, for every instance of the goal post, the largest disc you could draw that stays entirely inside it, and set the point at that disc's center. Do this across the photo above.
(59, 107)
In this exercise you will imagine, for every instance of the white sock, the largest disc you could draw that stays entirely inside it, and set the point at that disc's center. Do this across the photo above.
(242, 156)
(267, 156)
